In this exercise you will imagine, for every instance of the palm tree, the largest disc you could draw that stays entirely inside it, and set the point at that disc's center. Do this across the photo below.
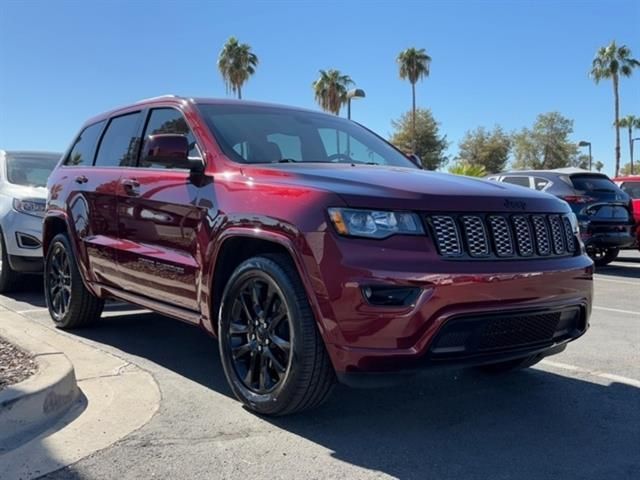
(414, 65)
(630, 122)
(236, 63)
(611, 62)
(331, 90)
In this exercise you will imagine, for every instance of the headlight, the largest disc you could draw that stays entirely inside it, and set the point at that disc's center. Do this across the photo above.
(30, 207)
(574, 223)
(374, 223)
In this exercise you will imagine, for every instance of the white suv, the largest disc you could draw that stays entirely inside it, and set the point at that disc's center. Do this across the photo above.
(23, 195)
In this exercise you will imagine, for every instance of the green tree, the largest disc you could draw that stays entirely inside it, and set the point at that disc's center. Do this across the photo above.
(611, 62)
(630, 122)
(546, 145)
(331, 89)
(428, 144)
(598, 166)
(581, 161)
(236, 64)
(489, 149)
(467, 169)
(414, 65)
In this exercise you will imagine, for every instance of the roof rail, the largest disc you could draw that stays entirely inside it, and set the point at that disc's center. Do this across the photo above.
(159, 97)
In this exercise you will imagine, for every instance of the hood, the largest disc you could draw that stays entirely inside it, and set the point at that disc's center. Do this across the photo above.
(23, 192)
(370, 186)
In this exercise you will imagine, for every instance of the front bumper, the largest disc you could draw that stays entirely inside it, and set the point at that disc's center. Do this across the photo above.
(363, 338)
(23, 241)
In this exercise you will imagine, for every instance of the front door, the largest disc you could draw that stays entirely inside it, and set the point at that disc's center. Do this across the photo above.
(159, 216)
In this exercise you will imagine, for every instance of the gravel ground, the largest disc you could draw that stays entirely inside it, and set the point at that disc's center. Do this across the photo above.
(15, 364)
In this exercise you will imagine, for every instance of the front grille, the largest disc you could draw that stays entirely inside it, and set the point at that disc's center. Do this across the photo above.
(502, 235)
(503, 331)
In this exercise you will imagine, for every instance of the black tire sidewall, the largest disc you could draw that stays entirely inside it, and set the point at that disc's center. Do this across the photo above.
(273, 401)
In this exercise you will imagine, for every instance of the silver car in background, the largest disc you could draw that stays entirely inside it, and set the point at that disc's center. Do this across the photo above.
(23, 194)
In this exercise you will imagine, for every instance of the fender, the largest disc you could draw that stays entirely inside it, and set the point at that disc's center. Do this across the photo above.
(271, 236)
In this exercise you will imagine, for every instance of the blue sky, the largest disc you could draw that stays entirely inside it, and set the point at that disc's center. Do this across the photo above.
(494, 62)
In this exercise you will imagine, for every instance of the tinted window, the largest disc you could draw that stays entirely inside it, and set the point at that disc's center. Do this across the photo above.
(522, 181)
(259, 134)
(30, 171)
(631, 188)
(168, 120)
(593, 183)
(540, 183)
(84, 149)
(119, 144)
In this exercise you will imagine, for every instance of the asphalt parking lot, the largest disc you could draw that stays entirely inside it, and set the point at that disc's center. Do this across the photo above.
(576, 415)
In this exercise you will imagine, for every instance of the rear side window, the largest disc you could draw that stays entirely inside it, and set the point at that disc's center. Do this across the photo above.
(120, 142)
(522, 181)
(168, 120)
(540, 183)
(632, 189)
(85, 147)
(593, 183)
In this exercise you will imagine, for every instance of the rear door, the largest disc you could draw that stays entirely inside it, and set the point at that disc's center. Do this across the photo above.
(117, 150)
(159, 216)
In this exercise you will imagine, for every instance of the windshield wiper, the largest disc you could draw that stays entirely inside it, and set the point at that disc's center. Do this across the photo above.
(286, 160)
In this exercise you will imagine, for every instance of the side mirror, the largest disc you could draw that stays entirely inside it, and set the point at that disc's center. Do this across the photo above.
(170, 150)
(415, 159)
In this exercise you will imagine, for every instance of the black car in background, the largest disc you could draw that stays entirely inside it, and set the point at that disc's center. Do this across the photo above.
(604, 211)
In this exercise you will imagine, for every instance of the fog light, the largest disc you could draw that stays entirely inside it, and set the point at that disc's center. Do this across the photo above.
(387, 296)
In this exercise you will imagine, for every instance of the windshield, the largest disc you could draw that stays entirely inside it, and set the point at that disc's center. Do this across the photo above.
(30, 171)
(259, 134)
(632, 189)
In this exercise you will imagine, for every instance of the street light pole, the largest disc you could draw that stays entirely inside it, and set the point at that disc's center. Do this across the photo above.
(355, 93)
(582, 143)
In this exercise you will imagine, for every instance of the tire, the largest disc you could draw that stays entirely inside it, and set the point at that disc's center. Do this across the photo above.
(69, 302)
(281, 365)
(511, 365)
(603, 256)
(8, 276)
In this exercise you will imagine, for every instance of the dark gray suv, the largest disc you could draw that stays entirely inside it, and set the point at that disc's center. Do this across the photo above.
(604, 211)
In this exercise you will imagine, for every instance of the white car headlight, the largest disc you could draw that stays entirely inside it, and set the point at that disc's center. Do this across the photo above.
(374, 223)
(33, 207)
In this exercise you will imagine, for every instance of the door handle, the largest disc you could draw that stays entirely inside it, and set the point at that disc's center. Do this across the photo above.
(131, 186)
(81, 179)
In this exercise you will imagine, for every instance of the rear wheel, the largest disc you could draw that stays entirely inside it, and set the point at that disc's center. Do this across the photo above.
(272, 353)
(8, 276)
(511, 365)
(70, 304)
(603, 256)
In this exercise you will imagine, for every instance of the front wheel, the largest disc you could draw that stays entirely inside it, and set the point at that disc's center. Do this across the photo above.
(69, 302)
(271, 351)
(603, 256)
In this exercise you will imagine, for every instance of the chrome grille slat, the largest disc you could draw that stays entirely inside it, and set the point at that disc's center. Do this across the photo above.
(503, 235)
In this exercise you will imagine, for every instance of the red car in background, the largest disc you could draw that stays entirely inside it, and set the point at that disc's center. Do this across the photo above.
(631, 186)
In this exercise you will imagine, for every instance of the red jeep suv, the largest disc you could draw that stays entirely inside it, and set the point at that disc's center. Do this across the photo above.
(309, 246)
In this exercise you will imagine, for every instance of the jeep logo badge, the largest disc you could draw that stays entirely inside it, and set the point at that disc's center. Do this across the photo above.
(515, 204)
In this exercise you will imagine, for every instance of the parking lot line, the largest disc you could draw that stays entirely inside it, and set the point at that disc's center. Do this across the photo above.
(616, 310)
(601, 279)
(596, 373)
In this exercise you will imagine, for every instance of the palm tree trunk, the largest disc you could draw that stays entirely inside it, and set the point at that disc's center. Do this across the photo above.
(413, 115)
(616, 97)
(631, 148)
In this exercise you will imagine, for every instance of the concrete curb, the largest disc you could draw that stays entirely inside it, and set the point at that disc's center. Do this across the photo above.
(29, 407)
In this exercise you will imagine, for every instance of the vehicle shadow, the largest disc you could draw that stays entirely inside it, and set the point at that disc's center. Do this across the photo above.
(618, 270)
(451, 424)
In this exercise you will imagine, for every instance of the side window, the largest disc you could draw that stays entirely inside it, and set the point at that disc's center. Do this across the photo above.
(290, 145)
(540, 183)
(522, 181)
(168, 120)
(85, 146)
(119, 144)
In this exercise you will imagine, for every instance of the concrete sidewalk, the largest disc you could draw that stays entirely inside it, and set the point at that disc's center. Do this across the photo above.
(115, 398)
